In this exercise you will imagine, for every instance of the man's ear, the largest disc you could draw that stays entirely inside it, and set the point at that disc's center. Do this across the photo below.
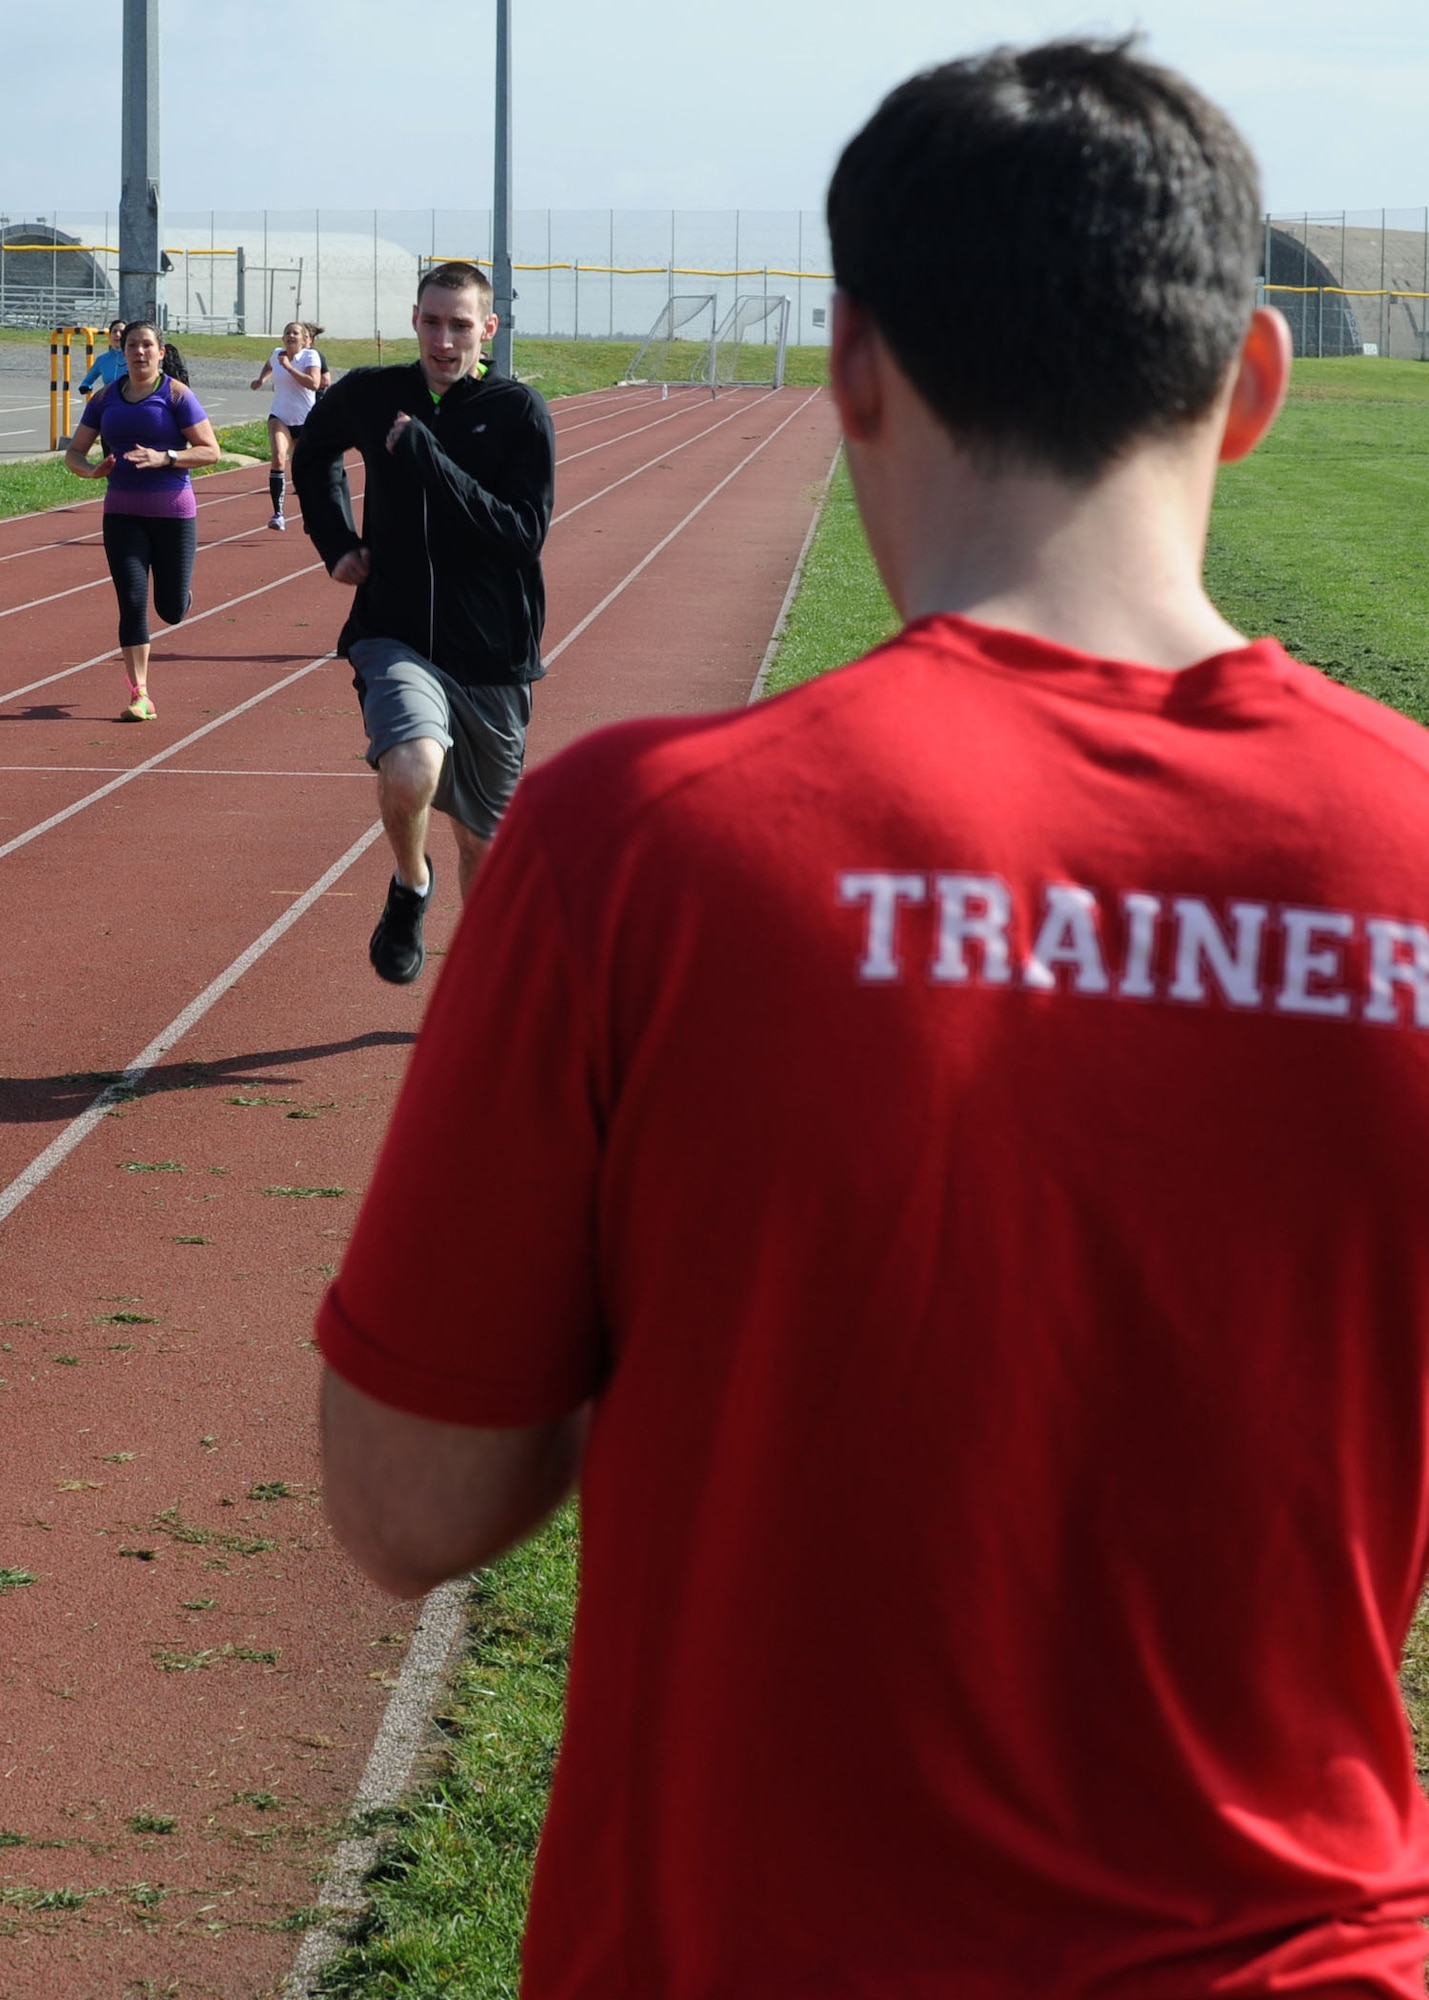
(488, 331)
(1261, 380)
(853, 369)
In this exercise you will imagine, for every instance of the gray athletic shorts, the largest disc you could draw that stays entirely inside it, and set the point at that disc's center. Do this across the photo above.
(482, 729)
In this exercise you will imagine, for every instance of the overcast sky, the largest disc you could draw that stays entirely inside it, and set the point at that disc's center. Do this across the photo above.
(358, 104)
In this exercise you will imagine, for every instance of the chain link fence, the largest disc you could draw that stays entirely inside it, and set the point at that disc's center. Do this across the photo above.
(603, 274)
(1351, 281)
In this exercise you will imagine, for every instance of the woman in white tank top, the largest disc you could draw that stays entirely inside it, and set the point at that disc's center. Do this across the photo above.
(296, 371)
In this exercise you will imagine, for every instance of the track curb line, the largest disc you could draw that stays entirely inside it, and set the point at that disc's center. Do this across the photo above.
(405, 1722)
(771, 651)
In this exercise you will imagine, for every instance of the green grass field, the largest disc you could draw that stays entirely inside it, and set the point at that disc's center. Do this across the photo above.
(1318, 537)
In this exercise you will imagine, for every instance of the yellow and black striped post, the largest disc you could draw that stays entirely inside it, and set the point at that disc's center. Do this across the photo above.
(55, 389)
(90, 336)
(61, 341)
(64, 384)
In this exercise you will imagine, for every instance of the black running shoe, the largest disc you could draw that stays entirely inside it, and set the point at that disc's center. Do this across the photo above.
(396, 950)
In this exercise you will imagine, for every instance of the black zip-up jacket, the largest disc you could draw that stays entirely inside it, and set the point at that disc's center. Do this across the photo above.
(453, 519)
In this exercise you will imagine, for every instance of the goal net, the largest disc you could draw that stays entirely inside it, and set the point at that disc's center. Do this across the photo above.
(751, 343)
(680, 345)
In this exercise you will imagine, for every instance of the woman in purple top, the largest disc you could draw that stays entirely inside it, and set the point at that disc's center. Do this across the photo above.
(151, 429)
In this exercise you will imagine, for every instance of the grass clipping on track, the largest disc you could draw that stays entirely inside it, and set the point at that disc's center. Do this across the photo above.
(1316, 539)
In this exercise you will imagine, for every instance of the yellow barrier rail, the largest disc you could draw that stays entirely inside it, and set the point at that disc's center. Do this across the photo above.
(103, 250)
(649, 270)
(1346, 291)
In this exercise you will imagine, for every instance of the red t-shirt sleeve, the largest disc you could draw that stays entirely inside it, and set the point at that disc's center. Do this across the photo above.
(469, 1291)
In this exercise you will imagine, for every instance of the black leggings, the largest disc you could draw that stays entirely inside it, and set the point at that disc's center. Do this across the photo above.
(135, 545)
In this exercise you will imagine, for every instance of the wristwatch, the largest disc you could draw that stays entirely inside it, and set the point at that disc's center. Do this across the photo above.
(172, 456)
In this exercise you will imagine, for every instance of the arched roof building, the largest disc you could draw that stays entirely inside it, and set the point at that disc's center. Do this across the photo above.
(48, 279)
(1348, 285)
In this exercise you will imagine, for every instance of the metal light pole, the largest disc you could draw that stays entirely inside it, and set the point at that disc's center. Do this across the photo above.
(141, 284)
(502, 304)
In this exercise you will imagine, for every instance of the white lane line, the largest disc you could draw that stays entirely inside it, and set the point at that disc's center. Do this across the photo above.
(645, 562)
(661, 457)
(43, 548)
(97, 500)
(94, 534)
(570, 458)
(8, 695)
(420, 1686)
(59, 1149)
(189, 771)
(588, 399)
(161, 757)
(611, 416)
(34, 603)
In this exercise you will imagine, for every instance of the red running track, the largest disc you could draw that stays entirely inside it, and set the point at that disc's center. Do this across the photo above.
(195, 1680)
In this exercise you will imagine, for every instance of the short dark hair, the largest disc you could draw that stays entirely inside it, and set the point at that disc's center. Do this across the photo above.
(1059, 245)
(455, 276)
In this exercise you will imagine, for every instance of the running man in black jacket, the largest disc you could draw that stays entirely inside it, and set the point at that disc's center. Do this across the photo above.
(444, 635)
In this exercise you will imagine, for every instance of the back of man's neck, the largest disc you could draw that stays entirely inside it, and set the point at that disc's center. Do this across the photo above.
(1113, 569)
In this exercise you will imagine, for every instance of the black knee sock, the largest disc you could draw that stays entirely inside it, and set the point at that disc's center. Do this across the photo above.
(276, 485)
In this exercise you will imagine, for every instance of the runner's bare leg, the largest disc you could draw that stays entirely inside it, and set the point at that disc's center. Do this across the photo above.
(407, 777)
(136, 666)
(471, 850)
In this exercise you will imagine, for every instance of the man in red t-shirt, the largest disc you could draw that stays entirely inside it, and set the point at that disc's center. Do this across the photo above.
(941, 1156)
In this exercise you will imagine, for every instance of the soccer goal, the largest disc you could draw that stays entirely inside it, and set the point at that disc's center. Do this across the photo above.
(751, 343)
(680, 345)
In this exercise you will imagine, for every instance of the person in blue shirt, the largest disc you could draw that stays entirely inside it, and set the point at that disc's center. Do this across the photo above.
(110, 365)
